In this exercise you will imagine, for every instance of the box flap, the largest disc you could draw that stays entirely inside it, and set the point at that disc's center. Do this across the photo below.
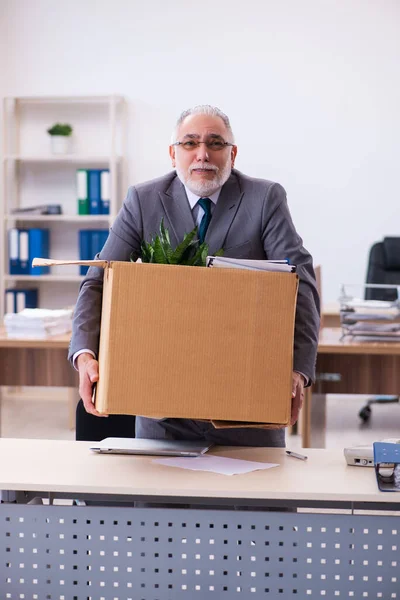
(49, 262)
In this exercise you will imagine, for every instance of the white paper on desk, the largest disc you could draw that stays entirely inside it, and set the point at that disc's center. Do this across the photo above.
(215, 464)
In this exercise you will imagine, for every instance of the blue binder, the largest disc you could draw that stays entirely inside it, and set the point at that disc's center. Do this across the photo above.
(99, 237)
(94, 191)
(387, 466)
(10, 305)
(95, 242)
(103, 236)
(39, 245)
(85, 248)
(24, 247)
(91, 241)
(13, 299)
(31, 298)
(105, 191)
(13, 251)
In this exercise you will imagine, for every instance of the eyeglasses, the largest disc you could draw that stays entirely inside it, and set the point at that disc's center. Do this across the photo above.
(212, 144)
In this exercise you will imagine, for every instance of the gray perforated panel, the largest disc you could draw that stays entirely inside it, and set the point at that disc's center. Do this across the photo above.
(121, 553)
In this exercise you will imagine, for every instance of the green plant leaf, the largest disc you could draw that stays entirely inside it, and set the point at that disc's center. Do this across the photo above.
(196, 259)
(189, 253)
(165, 241)
(159, 254)
(164, 233)
(147, 252)
(204, 253)
(178, 255)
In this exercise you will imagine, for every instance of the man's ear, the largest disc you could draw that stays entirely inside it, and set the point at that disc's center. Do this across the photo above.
(172, 154)
(233, 155)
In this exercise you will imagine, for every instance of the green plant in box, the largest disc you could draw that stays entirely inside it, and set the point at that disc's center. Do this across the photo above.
(189, 252)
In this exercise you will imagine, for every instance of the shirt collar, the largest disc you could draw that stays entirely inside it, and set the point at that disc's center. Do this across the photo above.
(193, 198)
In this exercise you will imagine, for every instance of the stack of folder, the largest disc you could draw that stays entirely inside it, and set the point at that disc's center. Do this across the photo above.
(369, 319)
(38, 323)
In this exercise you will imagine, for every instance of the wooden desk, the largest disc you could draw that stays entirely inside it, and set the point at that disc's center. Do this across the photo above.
(37, 363)
(206, 550)
(364, 367)
(330, 315)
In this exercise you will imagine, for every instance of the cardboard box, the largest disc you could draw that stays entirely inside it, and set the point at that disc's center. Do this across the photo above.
(198, 343)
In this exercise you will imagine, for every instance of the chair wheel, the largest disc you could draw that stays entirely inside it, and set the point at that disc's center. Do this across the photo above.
(365, 413)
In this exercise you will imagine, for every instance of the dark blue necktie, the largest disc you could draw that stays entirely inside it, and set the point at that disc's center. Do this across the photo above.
(205, 204)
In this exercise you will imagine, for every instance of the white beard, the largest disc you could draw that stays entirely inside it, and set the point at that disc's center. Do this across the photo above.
(207, 186)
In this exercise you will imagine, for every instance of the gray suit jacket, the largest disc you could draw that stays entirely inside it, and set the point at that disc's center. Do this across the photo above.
(251, 220)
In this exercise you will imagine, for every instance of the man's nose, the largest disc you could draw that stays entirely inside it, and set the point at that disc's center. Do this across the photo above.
(202, 153)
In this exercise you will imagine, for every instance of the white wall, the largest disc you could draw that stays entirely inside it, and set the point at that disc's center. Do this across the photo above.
(312, 89)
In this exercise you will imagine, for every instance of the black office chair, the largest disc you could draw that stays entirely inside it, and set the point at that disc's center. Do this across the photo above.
(383, 267)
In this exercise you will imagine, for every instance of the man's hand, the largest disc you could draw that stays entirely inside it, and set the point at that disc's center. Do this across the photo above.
(88, 368)
(297, 396)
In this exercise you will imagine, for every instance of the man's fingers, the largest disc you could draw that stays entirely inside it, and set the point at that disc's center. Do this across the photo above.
(296, 382)
(85, 390)
(93, 370)
(88, 404)
(88, 375)
(297, 398)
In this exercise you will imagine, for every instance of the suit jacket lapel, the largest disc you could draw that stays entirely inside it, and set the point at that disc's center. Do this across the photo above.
(225, 211)
(177, 209)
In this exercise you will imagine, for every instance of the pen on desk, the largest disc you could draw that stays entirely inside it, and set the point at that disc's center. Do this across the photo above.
(296, 455)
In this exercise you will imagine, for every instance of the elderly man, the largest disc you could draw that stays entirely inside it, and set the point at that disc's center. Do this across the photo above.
(247, 217)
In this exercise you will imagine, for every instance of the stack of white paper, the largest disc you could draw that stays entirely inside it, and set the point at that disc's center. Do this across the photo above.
(254, 265)
(371, 319)
(382, 329)
(38, 323)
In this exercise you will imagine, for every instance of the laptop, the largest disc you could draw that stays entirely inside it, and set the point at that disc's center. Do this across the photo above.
(114, 445)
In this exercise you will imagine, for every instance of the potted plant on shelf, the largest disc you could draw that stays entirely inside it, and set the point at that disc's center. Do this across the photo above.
(60, 135)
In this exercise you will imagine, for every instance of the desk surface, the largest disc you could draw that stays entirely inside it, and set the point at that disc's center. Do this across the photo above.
(54, 341)
(67, 466)
(329, 342)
